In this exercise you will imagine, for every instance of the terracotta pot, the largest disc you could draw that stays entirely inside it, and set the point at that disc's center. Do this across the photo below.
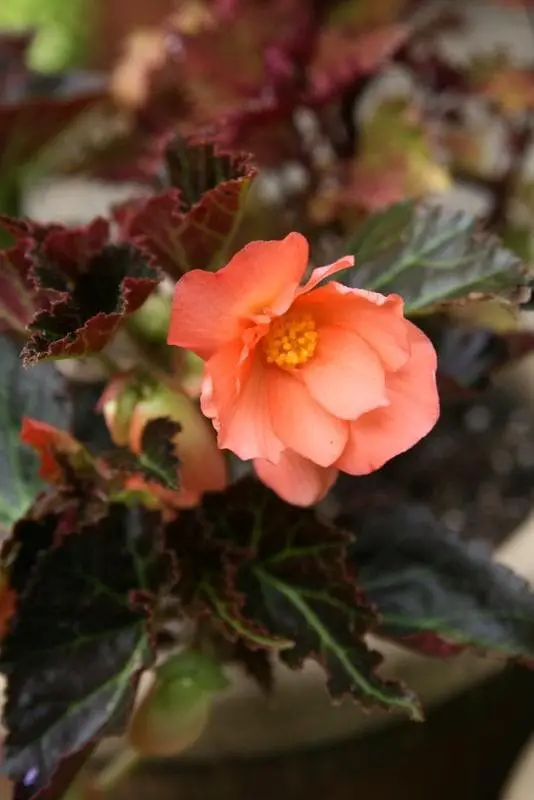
(520, 786)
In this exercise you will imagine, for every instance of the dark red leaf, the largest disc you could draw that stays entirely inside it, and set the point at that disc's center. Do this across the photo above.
(436, 592)
(278, 578)
(27, 127)
(17, 292)
(87, 286)
(80, 636)
(343, 56)
(264, 128)
(23, 228)
(190, 225)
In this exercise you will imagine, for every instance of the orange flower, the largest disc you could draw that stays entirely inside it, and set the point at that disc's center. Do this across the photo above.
(305, 380)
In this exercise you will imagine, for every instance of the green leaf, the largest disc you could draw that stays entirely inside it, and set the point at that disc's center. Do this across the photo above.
(157, 461)
(430, 256)
(158, 455)
(79, 636)
(34, 393)
(278, 577)
(436, 590)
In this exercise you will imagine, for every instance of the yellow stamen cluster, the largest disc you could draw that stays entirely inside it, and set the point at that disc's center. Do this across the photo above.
(291, 340)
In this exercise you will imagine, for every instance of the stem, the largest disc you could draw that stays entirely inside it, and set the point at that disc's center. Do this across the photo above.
(108, 363)
(146, 357)
(117, 769)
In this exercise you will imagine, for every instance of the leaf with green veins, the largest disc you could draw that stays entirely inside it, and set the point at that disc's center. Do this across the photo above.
(79, 637)
(158, 455)
(36, 393)
(435, 591)
(431, 256)
(278, 578)
(157, 462)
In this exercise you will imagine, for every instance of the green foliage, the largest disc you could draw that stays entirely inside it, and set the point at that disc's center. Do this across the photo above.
(279, 578)
(432, 256)
(37, 393)
(62, 30)
(81, 632)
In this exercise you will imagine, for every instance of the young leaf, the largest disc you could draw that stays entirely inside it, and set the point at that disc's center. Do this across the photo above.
(435, 590)
(91, 286)
(191, 225)
(79, 636)
(158, 455)
(38, 393)
(277, 576)
(431, 256)
(17, 295)
(157, 462)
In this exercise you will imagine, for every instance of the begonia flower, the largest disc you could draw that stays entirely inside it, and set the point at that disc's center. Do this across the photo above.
(306, 380)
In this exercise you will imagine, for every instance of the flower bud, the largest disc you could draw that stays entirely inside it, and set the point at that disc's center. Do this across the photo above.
(117, 404)
(128, 403)
(175, 710)
(202, 465)
(151, 321)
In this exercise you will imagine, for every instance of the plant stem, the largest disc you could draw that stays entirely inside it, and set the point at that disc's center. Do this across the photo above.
(117, 769)
(108, 363)
(147, 361)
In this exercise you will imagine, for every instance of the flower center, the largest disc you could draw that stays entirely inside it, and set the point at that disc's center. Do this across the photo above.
(291, 340)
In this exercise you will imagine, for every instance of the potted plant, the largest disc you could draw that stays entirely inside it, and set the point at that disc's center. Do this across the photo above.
(264, 483)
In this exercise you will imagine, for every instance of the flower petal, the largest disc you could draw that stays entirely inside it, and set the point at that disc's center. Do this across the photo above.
(345, 375)
(211, 309)
(223, 375)
(295, 479)
(377, 319)
(202, 318)
(300, 422)
(384, 433)
(321, 273)
(240, 407)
